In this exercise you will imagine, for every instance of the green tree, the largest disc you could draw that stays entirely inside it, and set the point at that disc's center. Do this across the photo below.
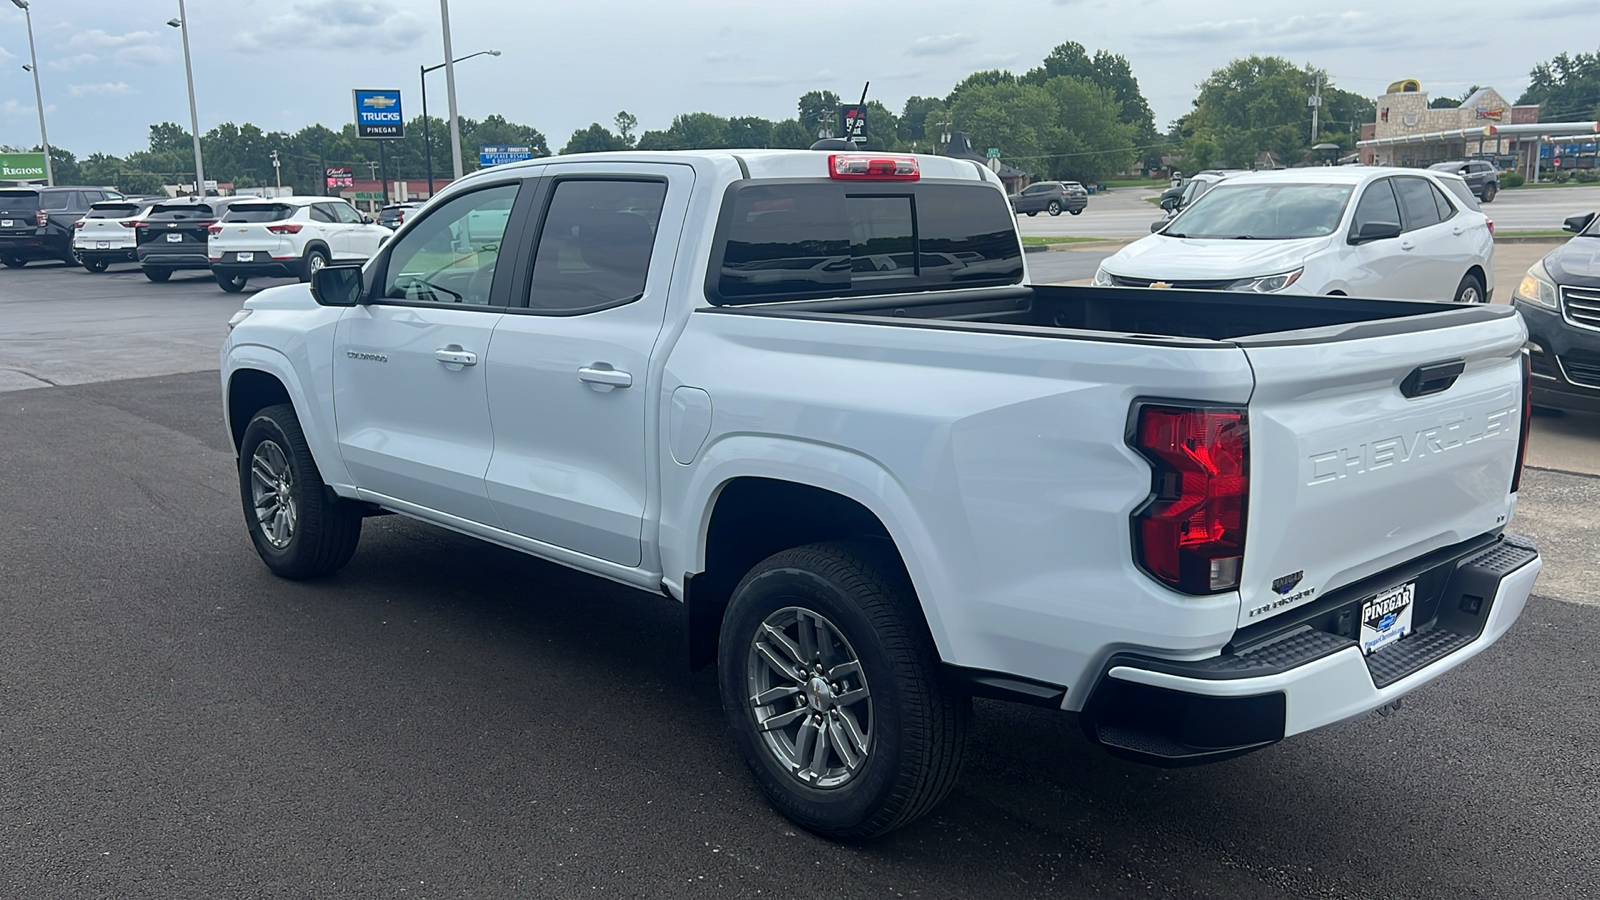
(1567, 87)
(1199, 153)
(1238, 147)
(689, 131)
(790, 134)
(1094, 142)
(1108, 70)
(625, 122)
(920, 121)
(594, 139)
(749, 131)
(1260, 103)
(819, 110)
(1020, 119)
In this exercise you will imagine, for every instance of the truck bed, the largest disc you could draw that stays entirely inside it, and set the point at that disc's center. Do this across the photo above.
(1142, 313)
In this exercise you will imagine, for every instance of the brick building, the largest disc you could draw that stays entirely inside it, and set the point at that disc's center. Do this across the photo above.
(1408, 133)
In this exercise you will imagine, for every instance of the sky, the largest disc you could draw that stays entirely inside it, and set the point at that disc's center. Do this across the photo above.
(110, 68)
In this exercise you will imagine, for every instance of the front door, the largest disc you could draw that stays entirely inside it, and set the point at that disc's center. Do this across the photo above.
(408, 369)
(572, 382)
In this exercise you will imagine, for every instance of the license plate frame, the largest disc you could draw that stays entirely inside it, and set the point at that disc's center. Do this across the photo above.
(8, 223)
(245, 256)
(1387, 617)
(102, 245)
(175, 238)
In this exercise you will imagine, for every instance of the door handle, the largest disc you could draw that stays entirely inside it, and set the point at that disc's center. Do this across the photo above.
(1406, 245)
(1457, 230)
(603, 374)
(453, 355)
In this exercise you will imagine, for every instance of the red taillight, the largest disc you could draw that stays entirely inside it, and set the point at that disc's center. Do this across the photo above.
(1491, 225)
(872, 167)
(214, 229)
(289, 228)
(130, 223)
(1190, 534)
(77, 224)
(1527, 418)
(41, 219)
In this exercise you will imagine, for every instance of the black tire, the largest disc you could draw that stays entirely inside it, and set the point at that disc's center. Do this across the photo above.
(1054, 208)
(315, 259)
(1471, 290)
(322, 532)
(1489, 191)
(74, 257)
(916, 733)
(233, 284)
(1034, 213)
(158, 275)
(1075, 211)
(14, 262)
(96, 265)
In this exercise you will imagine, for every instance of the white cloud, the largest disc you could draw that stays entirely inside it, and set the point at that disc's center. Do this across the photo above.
(12, 108)
(103, 89)
(100, 39)
(7, 56)
(718, 57)
(940, 44)
(145, 55)
(331, 23)
(138, 48)
(1319, 32)
(72, 62)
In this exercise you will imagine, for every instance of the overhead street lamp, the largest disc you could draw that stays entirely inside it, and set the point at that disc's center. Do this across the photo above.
(38, 96)
(182, 24)
(427, 143)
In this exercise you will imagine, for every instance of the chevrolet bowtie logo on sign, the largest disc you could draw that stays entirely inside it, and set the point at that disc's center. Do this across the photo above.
(378, 114)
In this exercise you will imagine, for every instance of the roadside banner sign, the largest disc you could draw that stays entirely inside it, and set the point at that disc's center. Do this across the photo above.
(21, 166)
(378, 114)
(853, 123)
(340, 177)
(499, 156)
(994, 153)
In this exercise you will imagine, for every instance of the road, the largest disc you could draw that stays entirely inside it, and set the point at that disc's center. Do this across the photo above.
(1124, 212)
(447, 719)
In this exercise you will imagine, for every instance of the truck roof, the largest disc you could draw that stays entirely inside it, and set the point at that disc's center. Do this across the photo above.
(766, 163)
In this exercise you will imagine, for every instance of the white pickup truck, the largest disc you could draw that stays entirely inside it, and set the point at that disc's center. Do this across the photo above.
(813, 396)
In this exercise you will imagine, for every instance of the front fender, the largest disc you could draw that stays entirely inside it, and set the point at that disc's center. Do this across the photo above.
(316, 418)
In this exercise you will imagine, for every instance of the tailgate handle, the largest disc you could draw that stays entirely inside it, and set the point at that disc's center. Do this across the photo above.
(1432, 378)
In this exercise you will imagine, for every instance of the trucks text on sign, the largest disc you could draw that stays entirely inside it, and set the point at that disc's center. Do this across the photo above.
(378, 114)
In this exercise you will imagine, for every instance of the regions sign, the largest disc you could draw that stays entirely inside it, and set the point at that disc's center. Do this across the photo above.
(499, 156)
(21, 166)
(340, 177)
(378, 114)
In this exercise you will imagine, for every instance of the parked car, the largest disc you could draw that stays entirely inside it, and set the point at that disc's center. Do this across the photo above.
(1559, 300)
(1175, 199)
(106, 235)
(878, 492)
(172, 235)
(1052, 197)
(1480, 175)
(36, 222)
(1366, 232)
(393, 215)
(288, 237)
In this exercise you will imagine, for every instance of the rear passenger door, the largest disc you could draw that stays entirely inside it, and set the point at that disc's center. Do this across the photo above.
(571, 376)
(325, 220)
(1439, 257)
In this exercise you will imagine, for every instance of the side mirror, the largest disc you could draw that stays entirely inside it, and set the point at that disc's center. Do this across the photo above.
(1155, 227)
(367, 220)
(1577, 223)
(1169, 203)
(337, 285)
(1376, 231)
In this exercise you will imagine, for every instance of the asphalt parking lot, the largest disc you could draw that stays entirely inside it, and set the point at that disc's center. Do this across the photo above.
(446, 719)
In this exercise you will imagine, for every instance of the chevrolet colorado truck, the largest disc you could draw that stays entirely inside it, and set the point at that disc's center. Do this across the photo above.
(814, 398)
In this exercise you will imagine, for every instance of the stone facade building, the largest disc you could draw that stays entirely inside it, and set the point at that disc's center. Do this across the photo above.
(1422, 136)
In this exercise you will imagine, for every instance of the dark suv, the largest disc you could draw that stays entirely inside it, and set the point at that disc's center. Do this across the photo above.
(36, 222)
(173, 234)
(1559, 300)
(1480, 175)
(1051, 197)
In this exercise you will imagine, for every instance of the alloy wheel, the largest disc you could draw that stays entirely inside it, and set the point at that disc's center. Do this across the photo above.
(272, 493)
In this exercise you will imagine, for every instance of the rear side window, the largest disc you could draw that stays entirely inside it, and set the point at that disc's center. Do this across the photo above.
(258, 212)
(1416, 199)
(182, 211)
(595, 245)
(1462, 194)
(803, 240)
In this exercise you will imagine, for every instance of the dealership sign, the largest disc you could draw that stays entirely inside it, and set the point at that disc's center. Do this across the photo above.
(499, 156)
(378, 114)
(21, 166)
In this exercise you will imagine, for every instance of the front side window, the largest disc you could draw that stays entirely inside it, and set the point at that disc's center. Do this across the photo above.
(595, 244)
(344, 213)
(1264, 212)
(1376, 205)
(451, 255)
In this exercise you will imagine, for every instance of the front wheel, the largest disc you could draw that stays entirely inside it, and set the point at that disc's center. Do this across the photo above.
(1054, 208)
(830, 682)
(233, 284)
(300, 530)
(1471, 290)
(96, 265)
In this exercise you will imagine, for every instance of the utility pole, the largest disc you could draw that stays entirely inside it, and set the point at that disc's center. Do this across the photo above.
(1316, 106)
(277, 170)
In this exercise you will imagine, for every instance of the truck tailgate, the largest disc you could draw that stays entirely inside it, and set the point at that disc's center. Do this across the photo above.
(1350, 476)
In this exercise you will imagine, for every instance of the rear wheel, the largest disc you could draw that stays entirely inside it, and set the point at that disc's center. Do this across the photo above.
(830, 681)
(14, 262)
(158, 274)
(1075, 211)
(1489, 191)
(315, 260)
(1471, 290)
(298, 527)
(1034, 212)
(233, 284)
(74, 257)
(96, 265)
(1054, 208)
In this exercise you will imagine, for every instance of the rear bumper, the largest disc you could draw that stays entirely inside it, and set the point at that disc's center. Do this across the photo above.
(124, 254)
(38, 245)
(1184, 713)
(191, 259)
(277, 268)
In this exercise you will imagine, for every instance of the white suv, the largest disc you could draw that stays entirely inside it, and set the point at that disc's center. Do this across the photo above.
(288, 237)
(105, 234)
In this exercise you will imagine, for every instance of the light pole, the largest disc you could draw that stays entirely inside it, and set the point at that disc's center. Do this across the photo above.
(182, 24)
(427, 142)
(449, 87)
(38, 96)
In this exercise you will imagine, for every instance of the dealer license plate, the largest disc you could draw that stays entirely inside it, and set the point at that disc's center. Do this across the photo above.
(1386, 618)
(102, 245)
(174, 238)
(247, 257)
(7, 223)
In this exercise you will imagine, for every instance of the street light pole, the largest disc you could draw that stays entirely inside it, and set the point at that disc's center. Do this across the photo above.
(450, 89)
(182, 24)
(38, 96)
(427, 141)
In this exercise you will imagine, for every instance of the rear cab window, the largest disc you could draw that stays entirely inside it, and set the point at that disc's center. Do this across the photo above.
(179, 211)
(258, 212)
(19, 201)
(799, 240)
(112, 210)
